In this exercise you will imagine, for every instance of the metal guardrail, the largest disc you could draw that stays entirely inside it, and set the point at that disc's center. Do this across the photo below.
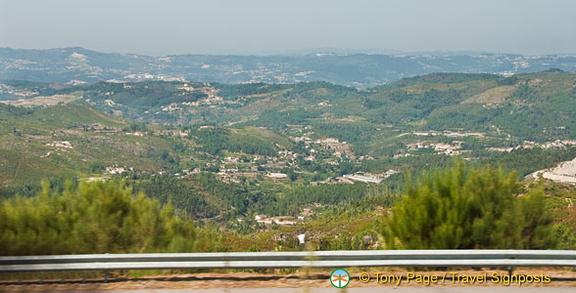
(327, 259)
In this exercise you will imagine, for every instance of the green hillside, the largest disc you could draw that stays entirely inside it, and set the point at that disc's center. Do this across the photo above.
(530, 106)
(68, 141)
(301, 154)
(465, 113)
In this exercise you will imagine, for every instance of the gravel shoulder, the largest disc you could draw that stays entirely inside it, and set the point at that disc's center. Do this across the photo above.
(317, 279)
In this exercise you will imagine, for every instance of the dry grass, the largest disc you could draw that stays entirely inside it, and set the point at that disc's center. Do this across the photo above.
(42, 101)
(492, 96)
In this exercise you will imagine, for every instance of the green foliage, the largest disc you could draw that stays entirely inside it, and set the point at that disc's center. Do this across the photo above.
(235, 91)
(142, 94)
(375, 122)
(16, 111)
(170, 189)
(343, 241)
(566, 229)
(214, 140)
(512, 80)
(30, 190)
(468, 208)
(276, 119)
(526, 161)
(136, 127)
(231, 199)
(447, 78)
(327, 194)
(95, 217)
(523, 92)
(250, 145)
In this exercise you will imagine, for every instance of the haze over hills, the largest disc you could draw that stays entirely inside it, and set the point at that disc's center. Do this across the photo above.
(77, 65)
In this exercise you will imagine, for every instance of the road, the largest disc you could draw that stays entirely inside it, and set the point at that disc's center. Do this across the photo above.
(431, 289)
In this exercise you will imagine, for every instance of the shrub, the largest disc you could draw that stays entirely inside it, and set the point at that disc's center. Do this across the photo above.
(468, 208)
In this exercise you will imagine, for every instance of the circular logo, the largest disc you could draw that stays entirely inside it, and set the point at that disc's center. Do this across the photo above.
(339, 278)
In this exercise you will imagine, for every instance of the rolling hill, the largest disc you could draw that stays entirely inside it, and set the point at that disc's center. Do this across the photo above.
(465, 114)
(78, 65)
(68, 141)
(534, 106)
(222, 153)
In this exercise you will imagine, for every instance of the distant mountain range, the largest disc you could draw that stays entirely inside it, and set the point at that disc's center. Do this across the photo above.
(79, 65)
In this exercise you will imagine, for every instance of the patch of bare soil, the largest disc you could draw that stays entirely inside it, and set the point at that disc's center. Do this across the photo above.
(42, 101)
(492, 96)
(565, 172)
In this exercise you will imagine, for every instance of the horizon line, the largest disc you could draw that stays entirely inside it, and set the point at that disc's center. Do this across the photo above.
(311, 51)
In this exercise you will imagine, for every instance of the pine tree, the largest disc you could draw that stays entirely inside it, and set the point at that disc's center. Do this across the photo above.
(98, 217)
(467, 208)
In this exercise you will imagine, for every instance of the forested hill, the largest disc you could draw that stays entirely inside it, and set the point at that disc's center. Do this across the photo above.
(474, 115)
(535, 107)
(224, 153)
(358, 70)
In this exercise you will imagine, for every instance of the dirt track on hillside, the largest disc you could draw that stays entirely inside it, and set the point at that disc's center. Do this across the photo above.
(565, 172)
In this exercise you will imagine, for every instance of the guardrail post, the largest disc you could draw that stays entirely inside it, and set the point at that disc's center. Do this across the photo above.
(510, 270)
(106, 275)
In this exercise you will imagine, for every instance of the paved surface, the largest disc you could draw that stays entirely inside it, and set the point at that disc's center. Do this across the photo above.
(470, 281)
(438, 289)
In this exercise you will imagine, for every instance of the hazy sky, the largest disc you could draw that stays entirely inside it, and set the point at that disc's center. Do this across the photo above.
(273, 26)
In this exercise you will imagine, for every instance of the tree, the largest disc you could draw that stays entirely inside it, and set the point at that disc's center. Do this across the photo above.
(468, 208)
(97, 217)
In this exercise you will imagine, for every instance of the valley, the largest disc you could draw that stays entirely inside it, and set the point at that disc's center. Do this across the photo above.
(263, 163)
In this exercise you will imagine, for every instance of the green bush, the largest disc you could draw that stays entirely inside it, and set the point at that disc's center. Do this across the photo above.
(469, 208)
(97, 217)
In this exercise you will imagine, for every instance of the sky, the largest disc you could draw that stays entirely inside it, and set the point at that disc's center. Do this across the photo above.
(263, 27)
